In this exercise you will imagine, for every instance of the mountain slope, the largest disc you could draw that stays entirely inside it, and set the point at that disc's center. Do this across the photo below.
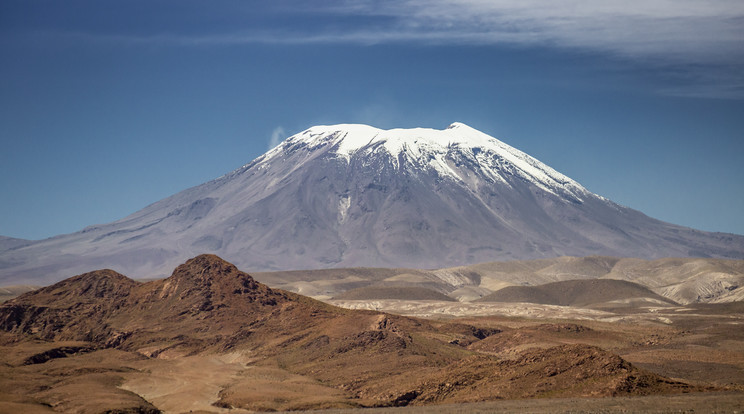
(354, 195)
(8, 243)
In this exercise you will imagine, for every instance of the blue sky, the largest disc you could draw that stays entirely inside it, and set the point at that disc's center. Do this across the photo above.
(107, 106)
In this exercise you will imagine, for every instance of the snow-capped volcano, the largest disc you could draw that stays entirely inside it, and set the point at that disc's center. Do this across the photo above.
(354, 195)
(438, 150)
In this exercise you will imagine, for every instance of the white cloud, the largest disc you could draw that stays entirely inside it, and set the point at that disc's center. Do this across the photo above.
(698, 43)
(679, 29)
(692, 36)
(686, 30)
(277, 136)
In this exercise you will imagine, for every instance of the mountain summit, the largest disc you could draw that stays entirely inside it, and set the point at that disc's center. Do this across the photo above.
(354, 195)
(436, 151)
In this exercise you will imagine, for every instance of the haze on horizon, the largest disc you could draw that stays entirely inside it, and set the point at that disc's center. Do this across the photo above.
(105, 108)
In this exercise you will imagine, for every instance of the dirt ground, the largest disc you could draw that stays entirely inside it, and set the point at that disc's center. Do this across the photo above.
(704, 347)
(186, 384)
(717, 402)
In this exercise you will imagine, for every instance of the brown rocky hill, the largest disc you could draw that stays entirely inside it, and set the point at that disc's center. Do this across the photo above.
(203, 303)
(101, 329)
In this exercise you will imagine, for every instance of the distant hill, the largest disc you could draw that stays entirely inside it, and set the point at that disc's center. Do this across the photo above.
(575, 293)
(403, 293)
(10, 292)
(686, 280)
(682, 280)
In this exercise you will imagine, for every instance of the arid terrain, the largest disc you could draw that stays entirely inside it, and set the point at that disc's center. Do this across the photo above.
(680, 280)
(210, 338)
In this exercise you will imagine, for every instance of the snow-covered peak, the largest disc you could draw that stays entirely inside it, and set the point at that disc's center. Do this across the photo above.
(354, 137)
(437, 149)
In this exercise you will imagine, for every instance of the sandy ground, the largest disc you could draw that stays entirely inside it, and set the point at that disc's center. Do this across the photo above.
(442, 310)
(189, 383)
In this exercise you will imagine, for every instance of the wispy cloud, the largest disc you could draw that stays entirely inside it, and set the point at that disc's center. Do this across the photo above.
(710, 30)
(679, 29)
(277, 136)
(699, 44)
(694, 34)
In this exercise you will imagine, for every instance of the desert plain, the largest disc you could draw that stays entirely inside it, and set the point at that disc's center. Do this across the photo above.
(211, 338)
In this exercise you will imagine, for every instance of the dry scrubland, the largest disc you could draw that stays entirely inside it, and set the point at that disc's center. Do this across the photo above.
(212, 339)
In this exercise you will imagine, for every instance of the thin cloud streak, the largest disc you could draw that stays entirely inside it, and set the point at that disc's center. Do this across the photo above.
(686, 30)
(680, 29)
(689, 36)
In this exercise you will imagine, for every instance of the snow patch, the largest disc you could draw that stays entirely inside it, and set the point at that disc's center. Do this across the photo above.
(343, 207)
(435, 149)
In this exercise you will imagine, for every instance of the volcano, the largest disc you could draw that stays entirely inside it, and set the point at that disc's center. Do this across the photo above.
(355, 195)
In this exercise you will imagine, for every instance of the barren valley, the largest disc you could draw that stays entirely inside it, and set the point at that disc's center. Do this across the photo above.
(210, 338)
